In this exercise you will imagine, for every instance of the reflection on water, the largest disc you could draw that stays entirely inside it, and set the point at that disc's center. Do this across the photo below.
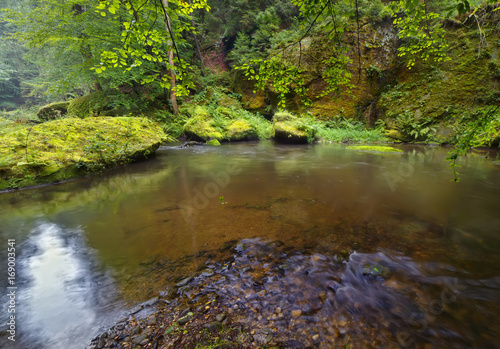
(322, 199)
(56, 281)
(58, 303)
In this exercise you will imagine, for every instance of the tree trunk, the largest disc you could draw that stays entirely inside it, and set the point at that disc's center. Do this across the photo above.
(202, 65)
(173, 99)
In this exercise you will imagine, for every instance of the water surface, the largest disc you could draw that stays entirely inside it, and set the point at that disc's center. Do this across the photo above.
(86, 246)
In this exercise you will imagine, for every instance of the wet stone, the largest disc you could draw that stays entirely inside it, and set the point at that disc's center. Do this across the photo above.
(212, 325)
(101, 344)
(220, 317)
(184, 282)
(207, 273)
(376, 270)
(139, 338)
(184, 320)
(151, 321)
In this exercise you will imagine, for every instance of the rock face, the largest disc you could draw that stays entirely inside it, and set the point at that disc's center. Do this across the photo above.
(53, 111)
(378, 45)
(67, 148)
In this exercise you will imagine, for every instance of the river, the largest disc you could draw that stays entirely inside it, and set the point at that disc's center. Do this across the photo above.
(88, 249)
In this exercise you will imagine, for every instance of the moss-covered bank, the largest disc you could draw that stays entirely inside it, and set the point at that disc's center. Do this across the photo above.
(67, 148)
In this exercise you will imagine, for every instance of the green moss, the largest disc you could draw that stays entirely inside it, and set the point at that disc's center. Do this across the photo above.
(53, 111)
(213, 142)
(239, 130)
(89, 105)
(375, 149)
(289, 133)
(66, 148)
(200, 125)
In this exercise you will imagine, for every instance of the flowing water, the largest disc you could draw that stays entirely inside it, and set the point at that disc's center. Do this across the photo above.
(391, 247)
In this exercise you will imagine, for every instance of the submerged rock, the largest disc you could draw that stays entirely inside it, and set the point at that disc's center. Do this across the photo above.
(376, 270)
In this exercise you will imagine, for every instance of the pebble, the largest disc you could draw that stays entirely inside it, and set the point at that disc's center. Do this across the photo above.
(184, 320)
(139, 338)
(184, 282)
(278, 310)
(315, 337)
(212, 325)
(296, 312)
(208, 273)
(220, 317)
(151, 321)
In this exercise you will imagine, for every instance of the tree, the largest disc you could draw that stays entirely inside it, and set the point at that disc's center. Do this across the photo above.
(142, 42)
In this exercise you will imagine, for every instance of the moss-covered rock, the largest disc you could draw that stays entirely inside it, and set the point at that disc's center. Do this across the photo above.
(397, 135)
(213, 143)
(53, 111)
(200, 126)
(93, 104)
(375, 149)
(63, 149)
(240, 130)
(287, 128)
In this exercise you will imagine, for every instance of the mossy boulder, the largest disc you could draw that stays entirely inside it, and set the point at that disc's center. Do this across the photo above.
(287, 128)
(397, 135)
(67, 148)
(213, 143)
(240, 130)
(225, 125)
(53, 111)
(200, 126)
(93, 104)
(288, 133)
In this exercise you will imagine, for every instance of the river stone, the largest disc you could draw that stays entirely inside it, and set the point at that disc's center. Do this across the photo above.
(148, 303)
(101, 344)
(376, 270)
(184, 282)
(151, 321)
(139, 338)
(184, 320)
(185, 312)
(212, 325)
(220, 317)
(208, 273)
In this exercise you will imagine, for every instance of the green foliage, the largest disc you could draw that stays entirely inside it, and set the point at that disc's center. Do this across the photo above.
(423, 37)
(283, 76)
(410, 127)
(152, 31)
(343, 130)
